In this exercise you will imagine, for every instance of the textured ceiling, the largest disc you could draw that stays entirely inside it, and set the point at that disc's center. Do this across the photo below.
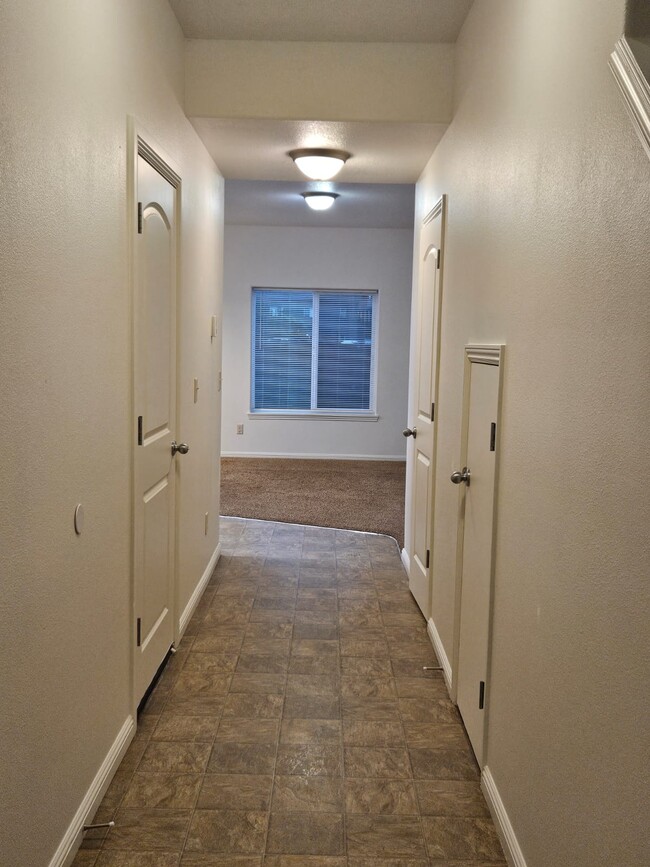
(276, 203)
(256, 149)
(323, 20)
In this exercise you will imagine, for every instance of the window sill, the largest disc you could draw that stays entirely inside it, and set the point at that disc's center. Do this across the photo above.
(315, 416)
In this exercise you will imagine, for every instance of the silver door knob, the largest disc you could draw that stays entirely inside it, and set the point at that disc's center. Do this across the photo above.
(408, 432)
(182, 448)
(461, 476)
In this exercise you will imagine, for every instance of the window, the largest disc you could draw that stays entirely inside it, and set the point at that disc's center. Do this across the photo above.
(313, 352)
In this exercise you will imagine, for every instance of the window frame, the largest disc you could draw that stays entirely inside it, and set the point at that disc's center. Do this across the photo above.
(315, 413)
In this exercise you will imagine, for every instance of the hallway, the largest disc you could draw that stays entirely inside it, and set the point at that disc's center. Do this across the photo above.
(295, 725)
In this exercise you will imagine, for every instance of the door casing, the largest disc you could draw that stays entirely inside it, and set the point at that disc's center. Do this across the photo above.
(430, 250)
(492, 354)
(141, 144)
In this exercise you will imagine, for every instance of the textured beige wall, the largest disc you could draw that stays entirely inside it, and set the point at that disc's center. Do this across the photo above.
(547, 251)
(319, 81)
(70, 74)
(324, 258)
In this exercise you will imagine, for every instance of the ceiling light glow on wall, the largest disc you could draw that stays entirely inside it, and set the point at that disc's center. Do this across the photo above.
(319, 164)
(320, 201)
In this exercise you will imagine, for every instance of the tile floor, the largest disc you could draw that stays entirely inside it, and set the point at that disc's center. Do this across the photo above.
(295, 726)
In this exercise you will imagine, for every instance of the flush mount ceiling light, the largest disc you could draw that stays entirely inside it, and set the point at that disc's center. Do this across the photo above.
(320, 201)
(319, 164)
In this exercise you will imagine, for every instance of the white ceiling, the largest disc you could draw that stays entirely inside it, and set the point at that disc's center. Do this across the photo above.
(382, 153)
(277, 203)
(323, 20)
(262, 184)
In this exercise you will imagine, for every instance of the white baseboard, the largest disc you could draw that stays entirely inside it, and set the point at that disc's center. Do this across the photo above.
(511, 847)
(312, 457)
(71, 841)
(440, 652)
(190, 608)
(406, 560)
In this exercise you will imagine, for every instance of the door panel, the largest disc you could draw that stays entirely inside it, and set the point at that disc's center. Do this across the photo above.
(481, 412)
(155, 405)
(422, 461)
(421, 511)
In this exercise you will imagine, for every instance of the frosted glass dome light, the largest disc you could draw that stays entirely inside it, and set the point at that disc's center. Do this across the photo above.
(320, 201)
(319, 164)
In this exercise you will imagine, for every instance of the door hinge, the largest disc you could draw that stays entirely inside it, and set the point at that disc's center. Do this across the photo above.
(139, 218)
(138, 631)
(481, 695)
(493, 436)
(433, 411)
(139, 430)
(438, 258)
(428, 557)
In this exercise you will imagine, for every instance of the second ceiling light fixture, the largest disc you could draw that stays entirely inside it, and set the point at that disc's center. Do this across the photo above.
(319, 164)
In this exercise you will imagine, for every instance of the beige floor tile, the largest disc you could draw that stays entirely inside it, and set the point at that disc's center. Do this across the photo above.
(253, 706)
(261, 663)
(242, 758)
(368, 687)
(369, 709)
(313, 685)
(168, 790)
(191, 859)
(391, 764)
(443, 764)
(236, 792)
(384, 836)
(421, 687)
(303, 664)
(388, 862)
(310, 760)
(451, 798)
(428, 710)
(306, 834)
(446, 736)
(315, 794)
(385, 797)
(311, 707)
(148, 830)
(357, 666)
(310, 731)
(177, 727)
(369, 733)
(244, 681)
(175, 757)
(248, 731)
(85, 858)
(305, 861)
(460, 838)
(138, 859)
(227, 831)
(314, 665)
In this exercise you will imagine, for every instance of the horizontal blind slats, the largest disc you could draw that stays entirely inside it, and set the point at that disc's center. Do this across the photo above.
(344, 351)
(283, 338)
(282, 349)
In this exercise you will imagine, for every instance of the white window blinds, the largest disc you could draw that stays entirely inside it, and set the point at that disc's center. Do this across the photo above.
(313, 351)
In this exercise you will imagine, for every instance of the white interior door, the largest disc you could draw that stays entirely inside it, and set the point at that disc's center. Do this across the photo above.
(478, 480)
(155, 410)
(422, 457)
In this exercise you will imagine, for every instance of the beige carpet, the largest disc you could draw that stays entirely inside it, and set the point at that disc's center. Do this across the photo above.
(352, 495)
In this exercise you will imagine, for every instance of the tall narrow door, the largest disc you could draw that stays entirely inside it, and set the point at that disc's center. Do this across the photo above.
(478, 478)
(155, 410)
(422, 458)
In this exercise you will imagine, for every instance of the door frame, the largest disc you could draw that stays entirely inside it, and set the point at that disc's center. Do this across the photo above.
(439, 209)
(141, 144)
(492, 354)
